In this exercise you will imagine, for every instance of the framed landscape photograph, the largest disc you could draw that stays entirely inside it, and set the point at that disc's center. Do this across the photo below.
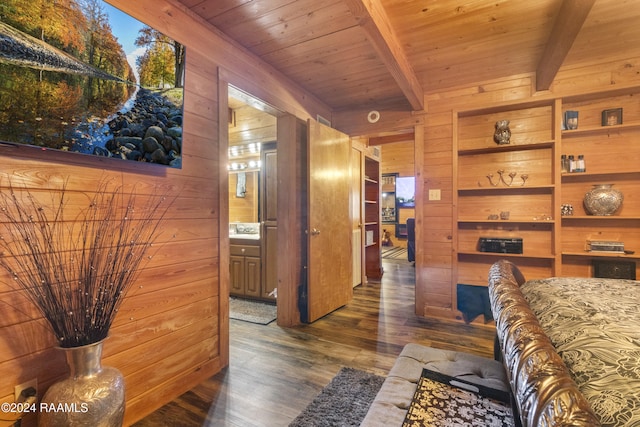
(81, 76)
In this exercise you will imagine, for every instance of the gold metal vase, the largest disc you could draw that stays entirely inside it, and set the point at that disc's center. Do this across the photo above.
(92, 395)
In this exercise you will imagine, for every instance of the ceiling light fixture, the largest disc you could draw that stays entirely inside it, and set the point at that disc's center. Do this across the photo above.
(373, 116)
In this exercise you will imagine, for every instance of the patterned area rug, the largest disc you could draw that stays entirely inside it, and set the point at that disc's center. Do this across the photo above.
(258, 312)
(344, 402)
(394, 253)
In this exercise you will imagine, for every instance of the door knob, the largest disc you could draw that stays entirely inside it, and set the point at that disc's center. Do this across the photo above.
(315, 231)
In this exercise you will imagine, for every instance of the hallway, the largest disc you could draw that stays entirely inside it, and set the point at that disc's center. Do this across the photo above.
(276, 372)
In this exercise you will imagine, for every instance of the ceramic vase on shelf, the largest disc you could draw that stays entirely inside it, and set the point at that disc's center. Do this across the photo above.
(602, 200)
(92, 395)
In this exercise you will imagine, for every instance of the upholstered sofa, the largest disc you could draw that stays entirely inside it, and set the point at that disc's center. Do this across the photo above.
(568, 350)
(570, 347)
(544, 391)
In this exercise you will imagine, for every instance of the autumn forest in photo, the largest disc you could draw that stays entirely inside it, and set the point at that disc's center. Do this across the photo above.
(81, 28)
(69, 67)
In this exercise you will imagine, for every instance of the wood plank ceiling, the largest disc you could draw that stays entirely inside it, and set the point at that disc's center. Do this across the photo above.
(385, 54)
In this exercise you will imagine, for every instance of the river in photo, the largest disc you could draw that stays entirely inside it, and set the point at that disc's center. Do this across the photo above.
(58, 110)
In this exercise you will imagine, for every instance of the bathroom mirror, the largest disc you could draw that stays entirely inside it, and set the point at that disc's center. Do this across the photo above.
(244, 196)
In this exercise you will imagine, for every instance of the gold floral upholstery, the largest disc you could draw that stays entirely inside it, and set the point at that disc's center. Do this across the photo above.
(544, 390)
(594, 325)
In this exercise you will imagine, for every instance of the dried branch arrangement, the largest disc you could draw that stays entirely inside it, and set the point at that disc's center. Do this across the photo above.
(77, 270)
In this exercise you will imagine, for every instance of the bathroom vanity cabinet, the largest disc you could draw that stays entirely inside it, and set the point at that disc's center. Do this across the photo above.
(245, 268)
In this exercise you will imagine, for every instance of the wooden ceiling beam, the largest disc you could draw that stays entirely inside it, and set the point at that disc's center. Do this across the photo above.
(373, 19)
(568, 23)
(389, 139)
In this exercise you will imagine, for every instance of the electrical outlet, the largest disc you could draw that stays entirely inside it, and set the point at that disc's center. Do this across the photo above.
(18, 389)
(434, 194)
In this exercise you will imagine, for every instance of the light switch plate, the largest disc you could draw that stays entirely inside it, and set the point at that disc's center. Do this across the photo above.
(434, 194)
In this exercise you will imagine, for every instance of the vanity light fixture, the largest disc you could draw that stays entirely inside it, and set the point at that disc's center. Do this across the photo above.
(242, 166)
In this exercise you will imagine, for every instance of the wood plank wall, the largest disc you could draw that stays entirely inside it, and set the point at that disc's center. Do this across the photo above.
(434, 162)
(166, 336)
(172, 331)
(434, 281)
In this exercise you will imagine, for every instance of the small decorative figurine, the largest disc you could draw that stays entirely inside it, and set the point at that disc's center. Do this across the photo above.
(502, 133)
(386, 238)
(566, 210)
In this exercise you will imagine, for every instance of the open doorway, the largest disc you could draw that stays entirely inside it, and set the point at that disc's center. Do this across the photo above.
(305, 161)
(398, 207)
(252, 207)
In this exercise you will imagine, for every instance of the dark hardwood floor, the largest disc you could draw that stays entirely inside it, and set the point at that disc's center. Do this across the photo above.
(275, 372)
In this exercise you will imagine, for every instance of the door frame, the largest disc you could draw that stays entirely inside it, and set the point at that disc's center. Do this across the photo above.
(290, 132)
(224, 252)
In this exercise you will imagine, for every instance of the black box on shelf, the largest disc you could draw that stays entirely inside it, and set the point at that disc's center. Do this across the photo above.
(510, 245)
(614, 269)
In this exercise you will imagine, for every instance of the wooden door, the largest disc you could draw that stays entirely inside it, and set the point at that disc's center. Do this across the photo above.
(329, 262)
